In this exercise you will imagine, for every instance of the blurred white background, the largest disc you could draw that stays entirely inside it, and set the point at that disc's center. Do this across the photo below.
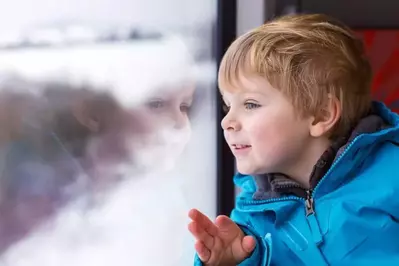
(132, 50)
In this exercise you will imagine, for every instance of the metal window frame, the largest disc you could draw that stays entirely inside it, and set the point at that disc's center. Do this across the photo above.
(226, 28)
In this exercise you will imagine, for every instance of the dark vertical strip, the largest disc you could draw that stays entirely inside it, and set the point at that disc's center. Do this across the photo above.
(225, 35)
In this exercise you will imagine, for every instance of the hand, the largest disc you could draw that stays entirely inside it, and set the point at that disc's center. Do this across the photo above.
(222, 243)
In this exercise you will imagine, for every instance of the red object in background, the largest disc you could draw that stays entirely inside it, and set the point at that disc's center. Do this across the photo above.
(382, 47)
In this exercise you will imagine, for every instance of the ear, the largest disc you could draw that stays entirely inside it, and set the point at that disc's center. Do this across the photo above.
(327, 117)
(81, 111)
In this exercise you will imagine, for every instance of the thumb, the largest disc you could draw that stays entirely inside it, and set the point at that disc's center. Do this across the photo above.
(248, 243)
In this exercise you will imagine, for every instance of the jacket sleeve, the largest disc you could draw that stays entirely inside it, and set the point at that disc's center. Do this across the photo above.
(262, 253)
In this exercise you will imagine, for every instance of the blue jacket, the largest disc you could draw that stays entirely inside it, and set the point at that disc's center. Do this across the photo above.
(355, 214)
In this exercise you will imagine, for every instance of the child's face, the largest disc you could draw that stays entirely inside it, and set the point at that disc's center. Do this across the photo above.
(148, 136)
(262, 128)
(169, 107)
(166, 114)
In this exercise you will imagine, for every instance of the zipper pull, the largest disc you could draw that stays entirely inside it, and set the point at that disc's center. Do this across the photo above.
(312, 220)
(309, 204)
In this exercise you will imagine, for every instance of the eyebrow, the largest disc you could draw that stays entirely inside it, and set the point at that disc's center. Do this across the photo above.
(245, 93)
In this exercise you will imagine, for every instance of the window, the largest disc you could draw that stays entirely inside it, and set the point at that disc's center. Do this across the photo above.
(107, 130)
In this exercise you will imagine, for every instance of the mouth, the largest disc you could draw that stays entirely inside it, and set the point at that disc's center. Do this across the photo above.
(240, 147)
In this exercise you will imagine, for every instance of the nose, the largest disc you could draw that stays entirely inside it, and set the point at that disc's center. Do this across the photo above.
(229, 123)
(179, 119)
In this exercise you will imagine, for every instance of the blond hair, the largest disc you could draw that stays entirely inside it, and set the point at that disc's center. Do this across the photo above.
(309, 58)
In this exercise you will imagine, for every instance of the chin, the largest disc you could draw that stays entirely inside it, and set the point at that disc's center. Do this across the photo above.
(245, 170)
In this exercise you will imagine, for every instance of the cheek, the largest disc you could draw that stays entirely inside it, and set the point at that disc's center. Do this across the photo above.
(155, 120)
(268, 143)
(265, 129)
(151, 117)
(274, 135)
(137, 127)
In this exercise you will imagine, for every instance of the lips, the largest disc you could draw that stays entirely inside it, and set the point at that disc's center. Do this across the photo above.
(240, 150)
(240, 146)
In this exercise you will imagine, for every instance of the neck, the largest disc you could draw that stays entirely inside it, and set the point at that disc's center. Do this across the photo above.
(302, 170)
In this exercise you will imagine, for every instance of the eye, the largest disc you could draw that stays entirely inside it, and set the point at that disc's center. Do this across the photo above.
(155, 104)
(185, 107)
(250, 105)
(226, 108)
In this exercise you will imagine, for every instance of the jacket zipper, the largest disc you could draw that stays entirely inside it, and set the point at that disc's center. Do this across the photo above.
(309, 202)
(309, 209)
(310, 214)
(312, 219)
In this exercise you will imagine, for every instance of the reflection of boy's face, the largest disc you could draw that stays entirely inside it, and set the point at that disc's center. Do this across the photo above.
(151, 135)
(166, 114)
(169, 108)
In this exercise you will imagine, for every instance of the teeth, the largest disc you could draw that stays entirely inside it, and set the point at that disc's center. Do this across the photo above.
(238, 146)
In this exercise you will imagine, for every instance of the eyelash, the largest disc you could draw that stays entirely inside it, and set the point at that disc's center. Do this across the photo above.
(159, 104)
(226, 108)
(185, 108)
(249, 105)
(155, 104)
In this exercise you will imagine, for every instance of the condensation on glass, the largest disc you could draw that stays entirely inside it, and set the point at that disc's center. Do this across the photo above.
(107, 130)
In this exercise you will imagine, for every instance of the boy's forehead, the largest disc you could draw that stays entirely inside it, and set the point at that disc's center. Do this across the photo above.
(246, 83)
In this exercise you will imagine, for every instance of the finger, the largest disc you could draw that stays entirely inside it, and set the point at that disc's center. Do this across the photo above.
(248, 244)
(203, 253)
(225, 224)
(242, 247)
(200, 234)
(203, 221)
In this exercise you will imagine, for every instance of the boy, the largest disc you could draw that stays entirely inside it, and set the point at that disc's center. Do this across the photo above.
(318, 160)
